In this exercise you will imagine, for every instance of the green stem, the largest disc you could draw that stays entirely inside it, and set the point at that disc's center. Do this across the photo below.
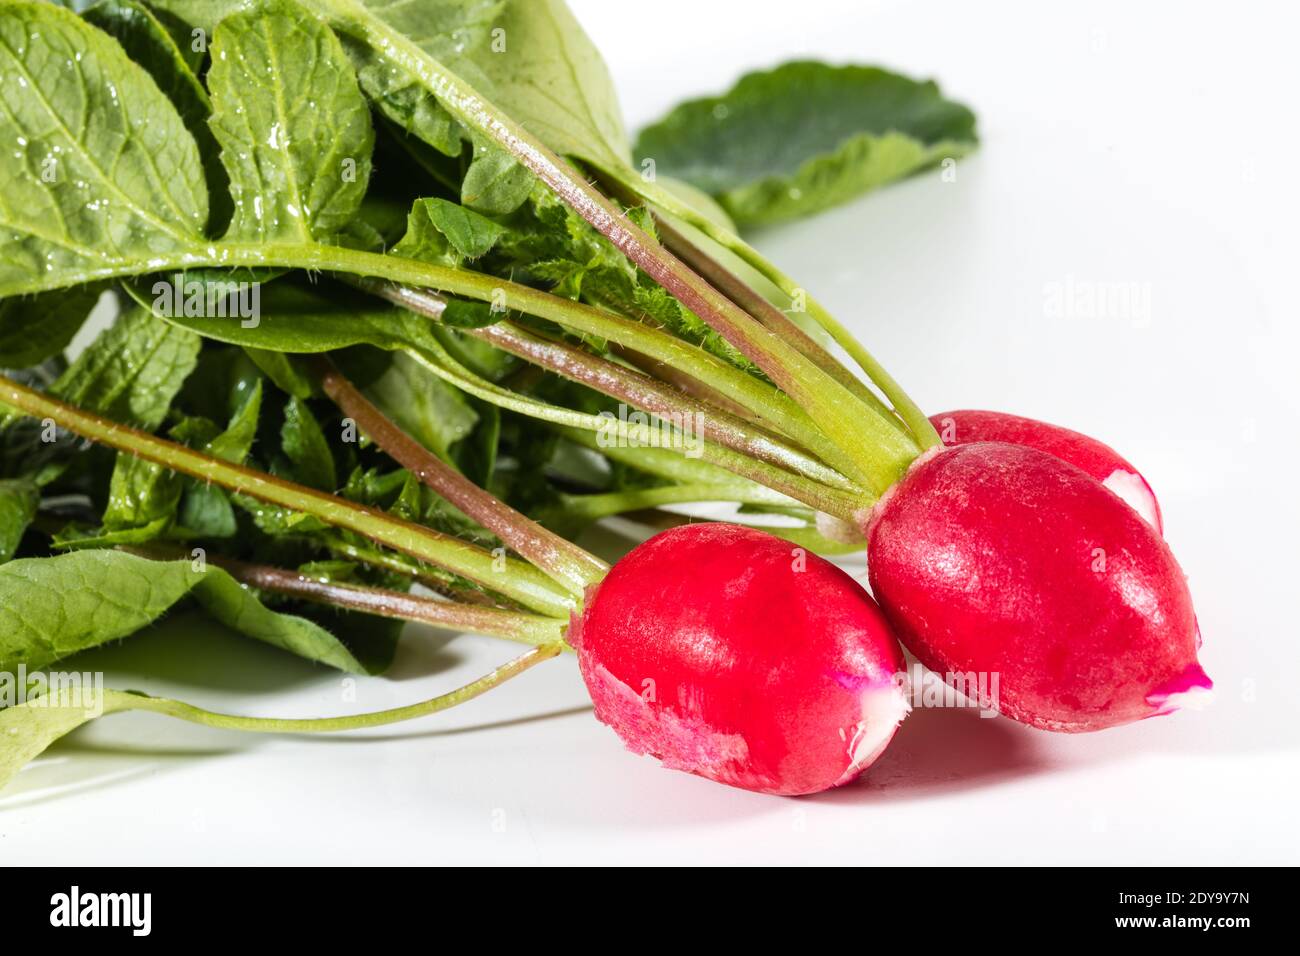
(770, 404)
(805, 537)
(679, 469)
(617, 433)
(810, 539)
(563, 560)
(631, 386)
(323, 725)
(435, 579)
(510, 576)
(908, 410)
(597, 506)
(752, 302)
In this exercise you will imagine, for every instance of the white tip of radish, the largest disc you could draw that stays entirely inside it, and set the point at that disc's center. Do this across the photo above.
(1191, 690)
(884, 705)
(1136, 493)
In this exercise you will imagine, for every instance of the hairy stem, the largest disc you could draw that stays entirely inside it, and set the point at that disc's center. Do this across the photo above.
(468, 619)
(806, 537)
(679, 469)
(569, 564)
(630, 386)
(752, 302)
(435, 579)
(321, 725)
(621, 434)
(907, 409)
(768, 403)
(747, 298)
(594, 507)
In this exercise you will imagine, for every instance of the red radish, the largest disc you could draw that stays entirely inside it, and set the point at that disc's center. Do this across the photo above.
(1000, 559)
(727, 653)
(1102, 462)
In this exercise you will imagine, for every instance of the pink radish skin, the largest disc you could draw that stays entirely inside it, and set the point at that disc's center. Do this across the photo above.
(1102, 462)
(997, 558)
(731, 654)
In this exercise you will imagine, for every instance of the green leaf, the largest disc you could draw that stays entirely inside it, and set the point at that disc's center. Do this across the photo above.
(545, 72)
(236, 442)
(149, 43)
(144, 498)
(106, 176)
(448, 30)
(371, 640)
(19, 498)
(236, 607)
(190, 43)
(132, 371)
(306, 318)
(294, 129)
(51, 608)
(281, 369)
(276, 521)
(204, 512)
(464, 314)
(31, 727)
(496, 182)
(424, 241)
(305, 446)
(435, 223)
(32, 328)
(549, 233)
(806, 136)
(486, 361)
(37, 449)
(477, 454)
(434, 413)
(202, 14)
(403, 100)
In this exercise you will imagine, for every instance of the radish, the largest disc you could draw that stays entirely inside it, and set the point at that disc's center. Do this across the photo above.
(1001, 559)
(726, 653)
(1099, 460)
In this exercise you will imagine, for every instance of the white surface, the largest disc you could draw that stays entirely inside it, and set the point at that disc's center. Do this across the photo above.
(1147, 143)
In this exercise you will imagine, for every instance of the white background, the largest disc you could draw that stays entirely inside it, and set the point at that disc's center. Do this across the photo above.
(1152, 143)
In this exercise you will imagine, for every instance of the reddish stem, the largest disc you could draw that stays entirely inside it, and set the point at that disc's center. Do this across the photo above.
(450, 615)
(561, 559)
(739, 292)
(637, 389)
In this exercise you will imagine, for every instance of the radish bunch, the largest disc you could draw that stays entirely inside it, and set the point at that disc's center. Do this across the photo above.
(997, 545)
